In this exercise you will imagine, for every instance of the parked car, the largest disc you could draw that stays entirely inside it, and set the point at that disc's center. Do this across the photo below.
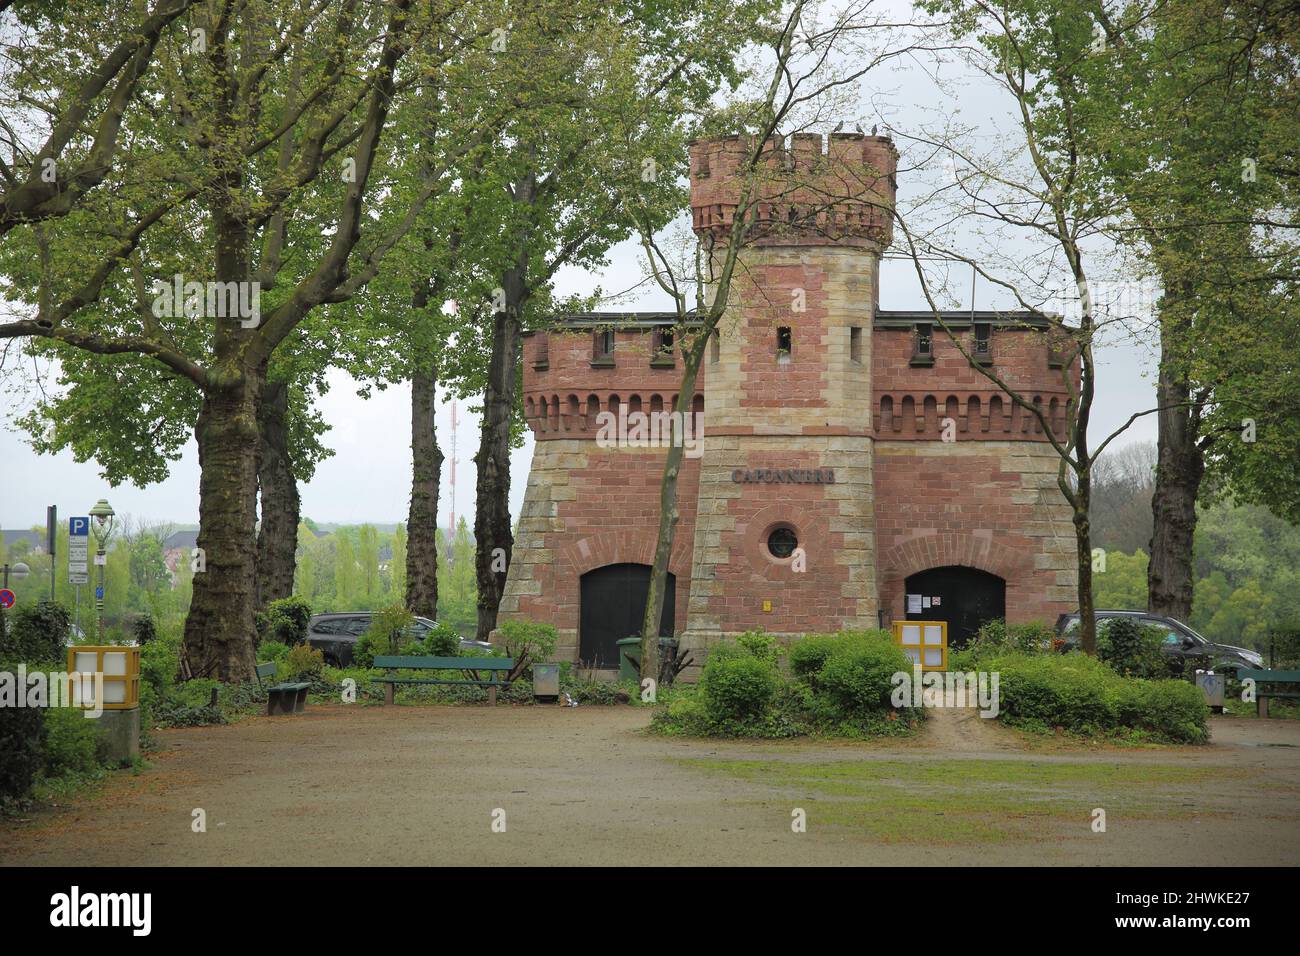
(335, 634)
(1180, 643)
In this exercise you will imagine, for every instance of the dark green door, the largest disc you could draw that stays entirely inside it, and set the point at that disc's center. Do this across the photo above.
(613, 604)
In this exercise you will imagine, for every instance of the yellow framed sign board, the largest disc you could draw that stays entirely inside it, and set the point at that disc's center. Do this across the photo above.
(120, 667)
(924, 642)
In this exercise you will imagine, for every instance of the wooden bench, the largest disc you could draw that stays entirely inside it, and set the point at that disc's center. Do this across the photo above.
(497, 668)
(282, 698)
(1289, 681)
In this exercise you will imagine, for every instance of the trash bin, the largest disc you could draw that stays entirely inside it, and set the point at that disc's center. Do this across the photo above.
(546, 681)
(626, 669)
(1212, 686)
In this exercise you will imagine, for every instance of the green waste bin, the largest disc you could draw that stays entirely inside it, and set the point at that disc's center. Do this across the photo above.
(626, 669)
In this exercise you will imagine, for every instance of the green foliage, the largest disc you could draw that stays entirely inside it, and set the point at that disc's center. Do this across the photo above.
(737, 690)
(809, 654)
(21, 730)
(143, 630)
(1123, 585)
(856, 679)
(1083, 695)
(443, 640)
(37, 634)
(760, 645)
(529, 640)
(286, 621)
(387, 634)
(272, 651)
(304, 661)
(1033, 637)
(1131, 649)
(70, 743)
(840, 686)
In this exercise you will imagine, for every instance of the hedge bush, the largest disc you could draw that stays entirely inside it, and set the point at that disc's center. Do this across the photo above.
(529, 640)
(21, 730)
(286, 620)
(70, 741)
(857, 678)
(737, 689)
(1131, 649)
(809, 654)
(1081, 694)
(38, 634)
(840, 686)
(443, 640)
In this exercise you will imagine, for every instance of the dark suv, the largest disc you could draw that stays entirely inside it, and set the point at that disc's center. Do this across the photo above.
(1181, 643)
(335, 634)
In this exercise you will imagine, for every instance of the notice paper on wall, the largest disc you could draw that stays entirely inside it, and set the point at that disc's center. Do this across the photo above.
(914, 604)
(925, 602)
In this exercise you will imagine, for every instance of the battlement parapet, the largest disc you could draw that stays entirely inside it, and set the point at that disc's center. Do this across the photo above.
(806, 190)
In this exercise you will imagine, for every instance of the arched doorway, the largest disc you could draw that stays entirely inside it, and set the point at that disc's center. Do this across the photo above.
(613, 605)
(967, 597)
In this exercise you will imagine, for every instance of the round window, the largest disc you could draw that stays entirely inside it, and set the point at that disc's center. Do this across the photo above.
(782, 542)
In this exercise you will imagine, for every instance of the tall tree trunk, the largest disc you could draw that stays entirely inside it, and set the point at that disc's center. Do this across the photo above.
(277, 536)
(669, 514)
(220, 635)
(422, 519)
(494, 541)
(1180, 465)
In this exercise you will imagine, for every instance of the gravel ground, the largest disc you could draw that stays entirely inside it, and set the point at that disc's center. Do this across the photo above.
(412, 785)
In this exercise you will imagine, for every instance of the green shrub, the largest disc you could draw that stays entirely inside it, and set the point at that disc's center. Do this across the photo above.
(304, 661)
(996, 636)
(529, 640)
(70, 742)
(143, 630)
(443, 640)
(1083, 695)
(21, 729)
(1069, 691)
(737, 689)
(1172, 709)
(809, 654)
(286, 621)
(388, 633)
(857, 678)
(272, 651)
(38, 634)
(1131, 649)
(760, 645)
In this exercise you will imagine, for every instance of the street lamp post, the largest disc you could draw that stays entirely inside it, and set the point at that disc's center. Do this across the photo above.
(102, 525)
(19, 571)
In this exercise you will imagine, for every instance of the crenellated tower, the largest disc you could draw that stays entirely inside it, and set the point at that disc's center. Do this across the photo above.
(784, 533)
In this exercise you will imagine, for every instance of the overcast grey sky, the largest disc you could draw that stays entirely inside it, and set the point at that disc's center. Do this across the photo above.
(368, 478)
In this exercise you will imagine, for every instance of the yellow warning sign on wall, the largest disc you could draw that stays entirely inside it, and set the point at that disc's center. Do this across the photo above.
(924, 642)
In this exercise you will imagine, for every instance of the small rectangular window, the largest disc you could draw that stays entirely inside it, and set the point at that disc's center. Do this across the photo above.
(663, 347)
(784, 343)
(855, 344)
(984, 342)
(715, 349)
(922, 345)
(603, 346)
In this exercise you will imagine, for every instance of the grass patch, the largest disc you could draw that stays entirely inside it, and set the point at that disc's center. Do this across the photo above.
(953, 802)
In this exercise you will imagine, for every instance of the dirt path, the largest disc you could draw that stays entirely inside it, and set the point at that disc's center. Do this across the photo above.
(419, 785)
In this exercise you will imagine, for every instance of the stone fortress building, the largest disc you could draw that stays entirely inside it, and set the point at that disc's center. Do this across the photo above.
(853, 470)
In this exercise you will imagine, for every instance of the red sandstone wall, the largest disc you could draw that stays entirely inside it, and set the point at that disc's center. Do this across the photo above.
(987, 506)
(606, 511)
